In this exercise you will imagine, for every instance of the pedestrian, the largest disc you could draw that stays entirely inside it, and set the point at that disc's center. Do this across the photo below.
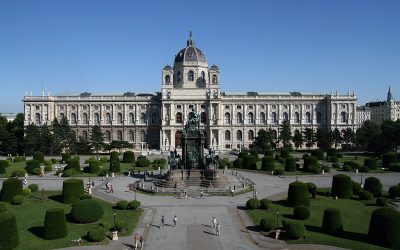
(107, 186)
(214, 222)
(111, 189)
(162, 221)
(218, 230)
(92, 183)
(141, 242)
(201, 193)
(255, 194)
(136, 239)
(175, 220)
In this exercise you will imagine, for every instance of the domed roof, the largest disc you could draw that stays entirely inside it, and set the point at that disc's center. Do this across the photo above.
(167, 67)
(214, 67)
(190, 53)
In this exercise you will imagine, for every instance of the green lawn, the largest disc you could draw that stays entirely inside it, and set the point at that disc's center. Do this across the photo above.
(13, 166)
(355, 217)
(30, 219)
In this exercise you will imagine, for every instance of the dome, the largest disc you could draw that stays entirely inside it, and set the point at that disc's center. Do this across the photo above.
(190, 53)
(167, 67)
(214, 67)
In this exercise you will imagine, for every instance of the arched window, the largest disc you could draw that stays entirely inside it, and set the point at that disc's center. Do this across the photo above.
(107, 136)
(319, 117)
(142, 136)
(96, 119)
(178, 117)
(343, 117)
(167, 79)
(273, 117)
(262, 118)
(153, 118)
(131, 118)
(308, 117)
(285, 116)
(214, 79)
(227, 135)
(251, 135)
(108, 118)
(203, 117)
(239, 136)
(119, 135)
(178, 78)
(131, 136)
(143, 118)
(239, 119)
(227, 118)
(119, 118)
(85, 135)
(73, 118)
(251, 118)
(190, 75)
(62, 116)
(297, 117)
(203, 75)
(38, 119)
(84, 118)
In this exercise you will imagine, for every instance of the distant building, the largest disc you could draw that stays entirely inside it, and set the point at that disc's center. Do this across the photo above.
(363, 114)
(9, 116)
(384, 110)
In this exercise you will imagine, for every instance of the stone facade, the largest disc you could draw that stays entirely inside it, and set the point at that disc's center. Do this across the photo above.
(384, 110)
(230, 120)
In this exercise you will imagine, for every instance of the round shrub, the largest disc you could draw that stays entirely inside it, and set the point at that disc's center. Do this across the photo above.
(294, 229)
(134, 205)
(312, 189)
(39, 156)
(48, 168)
(114, 156)
(290, 165)
(298, 194)
(37, 171)
(265, 203)
(342, 186)
(332, 222)
(122, 205)
(365, 195)
(65, 157)
(3, 207)
(55, 226)
(11, 187)
(72, 190)
(278, 172)
(371, 163)
(31, 165)
(128, 157)
(19, 158)
(69, 173)
(26, 191)
(363, 169)
(384, 228)
(394, 191)
(142, 162)
(346, 168)
(356, 187)
(335, 165)
(301, 213)
(249, 162)
(333, 159)
(382, 202)
(33, 187)
(18, 200)
(73, 164)
(253, 203)
(9, 233)
(105, 225)
(285, 153)
(87, 211)
(314, 169)
(18, 173)
(115, 167)
(94, 166)
(388, 159)
(242, 154)
(309, 162)
(373, 185)
(97, 234)
(48, 162)
(318, 153)
(268, 163)
(268, 223)
(255, 155)
(237, 163)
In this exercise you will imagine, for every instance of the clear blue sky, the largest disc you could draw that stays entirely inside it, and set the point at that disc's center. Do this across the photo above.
(122, 45)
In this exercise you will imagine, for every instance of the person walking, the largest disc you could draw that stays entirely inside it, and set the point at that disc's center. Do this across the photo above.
(218, 230)
(201, 193)
(111, 189)
(137, 239)
(162, 221)
(214, 222)
(141, 240)
(175, 220)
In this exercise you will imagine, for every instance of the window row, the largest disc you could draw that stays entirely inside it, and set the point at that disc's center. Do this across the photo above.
(73, 119)
(273, 118)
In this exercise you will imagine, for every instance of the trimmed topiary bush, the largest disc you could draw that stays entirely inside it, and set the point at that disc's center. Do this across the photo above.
(19, 158)
(94, 166)
(365, 195)
(373, 185)
(298, 194)
(31, 165)
(285, 153)
(309, 162)
(114, 156)
(72, 191)
(255, 155)
(18, 200)
(356, 187)
(268, 222)
(394, 191)
(3, 207)
(332, 222)
(122, 205)
(55, 226)
(253, 203)
(371, 163)
(87, 211)
(318, 153)
(293, 229)
(238, 163)
(249, 162)
(33, 187)
(69, 173)
(269, 153)
(11, 187)
(382, 202)
(115, 167)
(65, 157)
(128, 157)
(242, 154)
(301, 213)
(26, 191)
(9, 233)
(97, 234)
(39, 156)
(105, 225)
(265, 203)
(342, 186)
(290, 165)
(134, 205)
(312, 189)
(268, 163)
(388, 159)
(142, 162)
(73, 164)
(384, 228)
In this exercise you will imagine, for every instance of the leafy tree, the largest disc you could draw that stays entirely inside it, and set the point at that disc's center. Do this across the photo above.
(336, 137)
(96, 139)
(31, 141)
(348, 136)
(309, 137)
(285, 134)
(298, 139)
(46, 140)
(264, 141)
(83, 146)
(324, 139)
(369, 137)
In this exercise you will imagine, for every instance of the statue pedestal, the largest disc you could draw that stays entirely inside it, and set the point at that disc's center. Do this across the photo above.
(114, 235)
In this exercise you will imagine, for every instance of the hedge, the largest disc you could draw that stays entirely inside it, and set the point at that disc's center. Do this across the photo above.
(238, 163)
(268, 223)
(265, 203)
(142, 162)
(394, 191)
(19, 158)
(31, 165)
(255, 155)
(39, 156)
(298, 194)
(301, 212)
(388, 159)
(371, 163)
(2, 169)
(318, 153)
(11, 187)
(365, 195)
(293, 229)
(312, 189)
(122, 205)
(128, 157)
(285, 153)
(114, 156)
(134, 204)
(242, 154)
(290, 165)
(115, 167)
(395, 167)
(94, 166)
(332, 222)
(356, 187)
(384, 228)
(268, 163)
(72, 190)
(73, 163)
(87, 211)
(97, 234)
(342, 186)
(382, 202)
(309, 162)
(249, 162)
(9, 233)
(269, 153)
(55, 226)
(3, 207)
(253, 203)
(65, 157)
(373, 185)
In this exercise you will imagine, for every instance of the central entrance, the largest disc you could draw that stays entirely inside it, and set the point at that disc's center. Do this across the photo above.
(178, 139)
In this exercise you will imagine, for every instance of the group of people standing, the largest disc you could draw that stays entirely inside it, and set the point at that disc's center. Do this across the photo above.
(139, 241)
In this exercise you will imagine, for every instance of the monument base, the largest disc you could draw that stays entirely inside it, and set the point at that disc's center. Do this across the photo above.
(193, 178)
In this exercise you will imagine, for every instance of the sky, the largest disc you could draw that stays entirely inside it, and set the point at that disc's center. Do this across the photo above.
(122, 45)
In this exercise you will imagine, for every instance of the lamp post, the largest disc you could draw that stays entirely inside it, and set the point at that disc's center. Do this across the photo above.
(115, 232)
(362, 186)
(135, 192)
(114, 214)
(277, 219)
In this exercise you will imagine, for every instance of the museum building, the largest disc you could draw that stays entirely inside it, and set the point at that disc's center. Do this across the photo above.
(230, 120)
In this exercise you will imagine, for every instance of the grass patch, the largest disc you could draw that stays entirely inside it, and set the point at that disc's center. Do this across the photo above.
(13, 166)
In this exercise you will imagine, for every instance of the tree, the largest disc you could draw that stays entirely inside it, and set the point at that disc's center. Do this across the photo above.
(298, 139)
(309, 137)
(324, 139)
(285, 134)
(264, 141)
(83, 146)
(348, 136)
(96, 139)
(336, 137)
(46, 140)
(31, 140)
(369, 137)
